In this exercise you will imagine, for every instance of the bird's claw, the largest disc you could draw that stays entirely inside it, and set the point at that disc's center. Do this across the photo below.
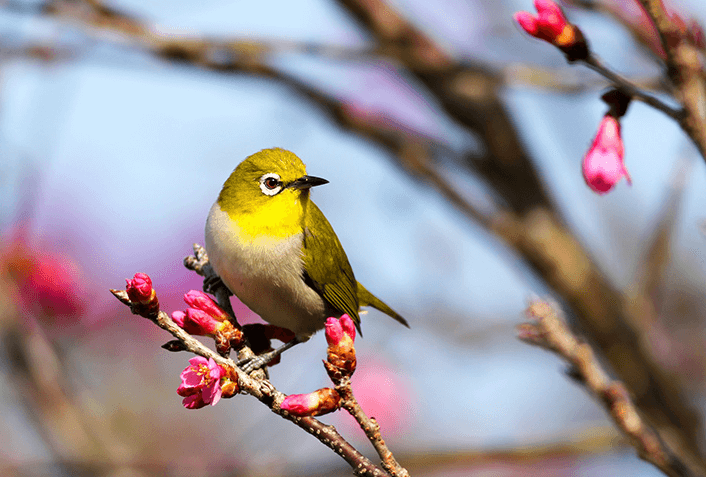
(212, 283)
(248, 365)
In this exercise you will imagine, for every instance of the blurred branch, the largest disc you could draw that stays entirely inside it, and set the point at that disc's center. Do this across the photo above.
(657, 257)
(565, 80)
(39, 376)
(471, 96)
(548, 329)
(685, 71)
(528, 456)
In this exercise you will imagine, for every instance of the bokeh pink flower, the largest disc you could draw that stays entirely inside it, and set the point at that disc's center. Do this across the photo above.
(49, 283)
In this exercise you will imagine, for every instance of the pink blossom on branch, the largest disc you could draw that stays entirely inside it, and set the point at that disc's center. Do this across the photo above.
(143, 298)
(197, 322)
(202, 383)
(321, 401)
(551, 25)
(603, 165)
(200, 301)
(139, 288)
(206, 318)
(340, 336)
(340, 332)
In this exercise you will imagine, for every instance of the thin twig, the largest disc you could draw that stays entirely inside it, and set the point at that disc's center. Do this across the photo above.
(549, 330)
(627, 87)
(371, 428)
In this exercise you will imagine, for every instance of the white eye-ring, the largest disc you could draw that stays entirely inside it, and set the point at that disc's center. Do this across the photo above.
(270, 184)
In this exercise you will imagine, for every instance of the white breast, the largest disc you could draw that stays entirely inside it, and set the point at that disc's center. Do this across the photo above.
(265, 274)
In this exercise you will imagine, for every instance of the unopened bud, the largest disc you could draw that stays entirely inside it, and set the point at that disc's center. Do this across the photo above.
(551, 25)
(143, 298)
(321, 401)
(603, 165)
(200, 301)
(340, 336)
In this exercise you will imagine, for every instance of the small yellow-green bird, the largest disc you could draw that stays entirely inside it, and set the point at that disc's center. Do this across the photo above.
(274, 249)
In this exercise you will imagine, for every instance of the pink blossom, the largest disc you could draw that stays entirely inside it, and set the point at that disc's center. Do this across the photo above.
(196, 322)
(51, 283)
(603, 164)
(201, 383)
(549, 25)
(139, 288)
(385, 394)
(200, 301)
(340, 335)
(340, 329)
(321, 401)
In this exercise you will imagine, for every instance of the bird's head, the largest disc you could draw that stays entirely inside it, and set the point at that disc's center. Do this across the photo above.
(272, 182)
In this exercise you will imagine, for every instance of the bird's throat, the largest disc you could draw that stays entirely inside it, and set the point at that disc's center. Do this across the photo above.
(275, 219)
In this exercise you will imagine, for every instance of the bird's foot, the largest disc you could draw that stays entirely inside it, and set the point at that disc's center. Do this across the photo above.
(248, 365)
(211, 283)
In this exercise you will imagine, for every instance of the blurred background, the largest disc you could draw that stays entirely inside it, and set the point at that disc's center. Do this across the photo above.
(453, 144)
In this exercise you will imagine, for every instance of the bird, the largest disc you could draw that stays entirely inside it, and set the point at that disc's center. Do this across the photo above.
(275, 250)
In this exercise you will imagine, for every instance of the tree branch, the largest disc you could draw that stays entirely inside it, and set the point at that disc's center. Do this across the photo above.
(685, 71)
(266, 393)
(631, 89)
(548, 329)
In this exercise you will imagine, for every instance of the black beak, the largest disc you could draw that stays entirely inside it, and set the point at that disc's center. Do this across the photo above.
(306, 182)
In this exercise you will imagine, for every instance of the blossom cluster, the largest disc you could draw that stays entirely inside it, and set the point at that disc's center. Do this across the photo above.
(205, 318)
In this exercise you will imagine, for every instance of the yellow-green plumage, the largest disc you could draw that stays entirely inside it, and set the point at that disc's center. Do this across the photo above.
(276, 251)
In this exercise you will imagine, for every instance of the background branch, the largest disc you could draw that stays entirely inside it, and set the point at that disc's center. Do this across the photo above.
(549, 330)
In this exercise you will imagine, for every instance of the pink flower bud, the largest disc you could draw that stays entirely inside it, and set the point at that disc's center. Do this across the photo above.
(321, 401)
(340, 335)
(196, 322)
(603, 164)
(551, 25)
(143, 298)
(200, 301)
(201, 383)
(340, 329)
(139, 288)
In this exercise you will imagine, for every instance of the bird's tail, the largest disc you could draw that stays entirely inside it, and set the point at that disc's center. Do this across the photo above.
(365, 298)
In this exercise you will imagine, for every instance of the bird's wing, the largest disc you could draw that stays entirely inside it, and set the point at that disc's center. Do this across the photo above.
(326, 266)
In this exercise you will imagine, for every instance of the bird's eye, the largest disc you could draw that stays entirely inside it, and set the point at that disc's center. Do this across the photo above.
(270, 184)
